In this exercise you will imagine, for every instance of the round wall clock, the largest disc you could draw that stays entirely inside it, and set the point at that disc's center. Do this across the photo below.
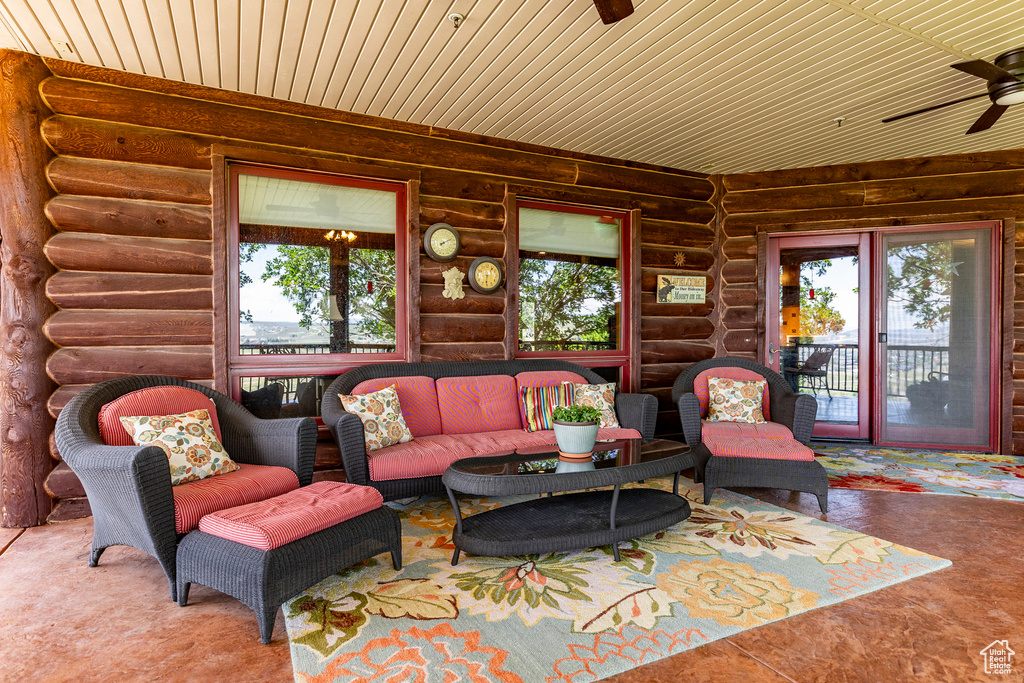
(486, 275)
(442, 242)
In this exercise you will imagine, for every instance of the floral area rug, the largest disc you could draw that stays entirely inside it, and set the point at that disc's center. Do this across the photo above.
(579, 616)
(981, 475)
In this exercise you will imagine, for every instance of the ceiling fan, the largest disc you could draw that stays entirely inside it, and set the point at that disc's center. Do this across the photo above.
(613, 10)
(1005, 87)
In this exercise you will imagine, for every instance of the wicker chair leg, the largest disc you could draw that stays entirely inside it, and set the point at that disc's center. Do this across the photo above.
(823, 502)
(266, 617)
(94, 556)
(396, 559)
(183, 593)
(174, 588)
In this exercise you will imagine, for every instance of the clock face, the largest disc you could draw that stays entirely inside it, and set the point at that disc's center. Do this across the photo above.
(443, 243)
(487, 275)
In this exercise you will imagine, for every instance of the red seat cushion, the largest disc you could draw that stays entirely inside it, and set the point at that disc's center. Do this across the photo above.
(418, 398)
(700, 386)
(485, 403)
(277, 521)
(431, 455)
(759, 430)
(753, 447)
(163, 400)
(247, 484)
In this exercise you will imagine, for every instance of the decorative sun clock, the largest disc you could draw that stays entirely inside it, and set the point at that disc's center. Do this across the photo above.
(486, 275)
(442, 242)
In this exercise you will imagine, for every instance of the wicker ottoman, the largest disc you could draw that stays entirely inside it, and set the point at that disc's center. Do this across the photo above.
(268, 552)
(776, 463)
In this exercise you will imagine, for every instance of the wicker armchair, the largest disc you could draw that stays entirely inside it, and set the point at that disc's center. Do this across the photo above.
(635, 411)
(794, 411)
(129, 487)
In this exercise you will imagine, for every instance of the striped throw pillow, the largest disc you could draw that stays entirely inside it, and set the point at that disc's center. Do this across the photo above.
(539, 405)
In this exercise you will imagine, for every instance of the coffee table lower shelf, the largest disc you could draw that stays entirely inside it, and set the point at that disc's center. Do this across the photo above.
(569, 521)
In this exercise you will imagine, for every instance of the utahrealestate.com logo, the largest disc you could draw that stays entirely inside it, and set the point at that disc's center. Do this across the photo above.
(998, 657)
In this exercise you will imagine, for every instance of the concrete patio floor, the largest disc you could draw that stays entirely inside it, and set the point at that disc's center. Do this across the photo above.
(62, 621)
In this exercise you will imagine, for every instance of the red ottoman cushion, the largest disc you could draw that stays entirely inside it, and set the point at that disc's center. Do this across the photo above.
(761, 430)
(163, 400)
(247, 484)
(754, 447)
(278, 521)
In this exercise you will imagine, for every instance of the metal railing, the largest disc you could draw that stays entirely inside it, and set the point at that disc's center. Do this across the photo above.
(558, 345)
(305, 349)
(907, 365)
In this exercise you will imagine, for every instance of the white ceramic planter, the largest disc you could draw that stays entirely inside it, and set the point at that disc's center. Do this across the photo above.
(576, 437)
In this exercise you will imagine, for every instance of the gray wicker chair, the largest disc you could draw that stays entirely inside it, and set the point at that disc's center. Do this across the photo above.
(795, 411)
(635, 411)
(129, 487)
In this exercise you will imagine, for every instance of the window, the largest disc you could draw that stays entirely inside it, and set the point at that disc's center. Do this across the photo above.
(319, 281)
(573, 263)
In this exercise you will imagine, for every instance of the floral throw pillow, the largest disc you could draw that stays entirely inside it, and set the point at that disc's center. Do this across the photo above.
(381, 415)
(600, 396)
(735, 400)
(193, 450)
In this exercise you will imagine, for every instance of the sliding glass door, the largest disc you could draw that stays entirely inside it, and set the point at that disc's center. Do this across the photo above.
(936, 330)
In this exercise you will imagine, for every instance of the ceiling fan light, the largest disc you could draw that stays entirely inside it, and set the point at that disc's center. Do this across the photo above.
(1008, 98)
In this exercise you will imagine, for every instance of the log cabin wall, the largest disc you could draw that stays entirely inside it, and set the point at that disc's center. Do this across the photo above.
(925, 191)
(136, 247)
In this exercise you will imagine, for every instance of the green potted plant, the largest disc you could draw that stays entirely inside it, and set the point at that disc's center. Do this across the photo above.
(576, 429)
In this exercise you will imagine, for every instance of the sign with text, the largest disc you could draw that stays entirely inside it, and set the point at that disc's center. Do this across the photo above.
(682, 289)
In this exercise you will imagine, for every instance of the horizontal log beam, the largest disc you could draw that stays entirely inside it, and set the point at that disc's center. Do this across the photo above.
(660, 375)
(739, 295)
(81, 289)
(461, 213)
(433, 301)
(59, 398)
(63, 483)
(461, 328)
(115, 253)
(88, 365)
(78, 137)
(676, 234)
(111, 216)
(672, 328)
(94, 177)
(974, 162)
(740, 340)
(129, 328)
(739, 272)
(666, 257)
(740, 318)
(461, 352)
(657, 208)
(653, 352)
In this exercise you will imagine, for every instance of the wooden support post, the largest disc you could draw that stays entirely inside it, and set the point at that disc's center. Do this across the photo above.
(25, 423)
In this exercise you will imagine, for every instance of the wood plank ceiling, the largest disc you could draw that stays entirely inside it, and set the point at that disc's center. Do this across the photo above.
(721, 86)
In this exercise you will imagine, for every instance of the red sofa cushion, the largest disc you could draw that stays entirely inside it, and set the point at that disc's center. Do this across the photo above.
(418, 397)
(163, 400)
(759, 430)
(431, 455)
(277, 521)
(754, 447)
(247, 484)
(700, 386)
(484, 403)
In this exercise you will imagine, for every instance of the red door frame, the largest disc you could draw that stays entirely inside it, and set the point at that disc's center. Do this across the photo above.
(861, 240)
(995, 319)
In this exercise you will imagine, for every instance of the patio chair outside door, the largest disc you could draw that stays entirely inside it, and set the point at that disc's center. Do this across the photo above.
(812, 372)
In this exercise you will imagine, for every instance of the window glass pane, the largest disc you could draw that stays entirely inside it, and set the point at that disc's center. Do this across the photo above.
(270, 398)
(316, 267)
(570, 289)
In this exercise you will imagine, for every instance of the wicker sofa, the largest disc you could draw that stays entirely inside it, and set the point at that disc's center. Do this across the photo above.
(456, 410)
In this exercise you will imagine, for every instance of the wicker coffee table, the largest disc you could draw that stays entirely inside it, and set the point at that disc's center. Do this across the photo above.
(583, 519)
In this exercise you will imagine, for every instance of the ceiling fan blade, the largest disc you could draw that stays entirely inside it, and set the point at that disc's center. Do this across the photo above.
(613, 10)
(986, 70)
(933, 108)
(986, 120)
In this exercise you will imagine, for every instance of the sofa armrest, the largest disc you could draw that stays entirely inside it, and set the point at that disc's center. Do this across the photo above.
(129, 488)
(797, 412)
(348, 432)
(639, 412)
(689, 416)
(287, 443)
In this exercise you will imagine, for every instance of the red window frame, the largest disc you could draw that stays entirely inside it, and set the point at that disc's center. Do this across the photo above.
(620, 357)
(313, 364)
